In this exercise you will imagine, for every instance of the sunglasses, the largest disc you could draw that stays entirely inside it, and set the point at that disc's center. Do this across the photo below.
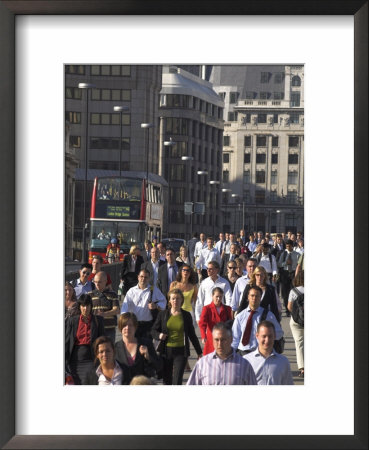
(86, 273)
(232, 267)
(185, 270)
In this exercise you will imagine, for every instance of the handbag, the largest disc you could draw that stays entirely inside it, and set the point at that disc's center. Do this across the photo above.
(159, 345)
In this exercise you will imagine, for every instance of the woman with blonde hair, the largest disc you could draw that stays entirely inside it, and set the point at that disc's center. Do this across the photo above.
(131, 267)
(175, 328)
(269, 298)
(183, 255)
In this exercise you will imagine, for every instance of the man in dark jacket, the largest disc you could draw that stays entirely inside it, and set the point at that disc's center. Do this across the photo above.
(168, 272)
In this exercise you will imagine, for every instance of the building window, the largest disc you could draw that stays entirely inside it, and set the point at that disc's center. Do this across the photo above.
(75, 141)
(274, 177)
(177, 126)
(278, 77)
(226, 157)
(178, 101)
(293, 141)
(293, 159)
(107, 165)
(273, 197)
(246, 197)
(226, 140)
(292, 197)
(294, 117)
(233, 96)
(75, 70)
(114, 70)
(73, 117)
(260, 197)
(275, 118)
(246, 119)
(220, 113)
(176, 196)
(260, 176)
(73, 93)
(246, 177)
(292, 177)
(177, 216)
(260, 158)
(222, 95)
(296, 81)
(264, 77)
(278, 95)
(250, 95)
(232, 116)
(261, 141)
(275, 141)
(246, 158)
(264, 95)
(295, 99)
(225, 176)
(247, 141)
(104, 143)
(262, 118)
(109, 119)
(274, 158)
(178, 149)
(177, 172)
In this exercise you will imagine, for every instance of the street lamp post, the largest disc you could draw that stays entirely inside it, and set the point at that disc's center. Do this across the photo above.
(86, 86)
(214, 183)
(120, 109)
(147, 126)
(188, 158)
(204, 173)
(226, 191)
(169, 143)
(236, 196)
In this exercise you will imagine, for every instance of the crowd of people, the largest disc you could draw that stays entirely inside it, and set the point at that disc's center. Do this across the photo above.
(235, 290)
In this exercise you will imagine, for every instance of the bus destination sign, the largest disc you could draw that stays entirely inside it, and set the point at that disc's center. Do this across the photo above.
(118, 211)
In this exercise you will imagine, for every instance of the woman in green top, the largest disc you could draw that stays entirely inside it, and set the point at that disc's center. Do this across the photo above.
(174, 326)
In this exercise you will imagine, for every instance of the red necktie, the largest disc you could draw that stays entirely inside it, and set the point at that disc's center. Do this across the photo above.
(247, 332)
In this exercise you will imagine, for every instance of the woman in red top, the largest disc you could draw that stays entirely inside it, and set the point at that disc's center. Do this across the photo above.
(210, 315)
(81, 332)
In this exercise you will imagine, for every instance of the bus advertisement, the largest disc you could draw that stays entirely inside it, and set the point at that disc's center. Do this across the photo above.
(123, 209)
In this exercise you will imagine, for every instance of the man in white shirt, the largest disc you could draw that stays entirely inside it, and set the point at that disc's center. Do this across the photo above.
(204, 296)
(210, 253)
(241, 283)
(144, 300)
(268, 261)
(232, 240)
(269, 366)
(246, 322)
(199, 246)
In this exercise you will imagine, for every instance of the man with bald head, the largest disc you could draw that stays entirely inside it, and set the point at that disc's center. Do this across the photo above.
(105, 304)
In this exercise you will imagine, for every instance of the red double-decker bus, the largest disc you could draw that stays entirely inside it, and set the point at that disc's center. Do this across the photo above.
(126, 209)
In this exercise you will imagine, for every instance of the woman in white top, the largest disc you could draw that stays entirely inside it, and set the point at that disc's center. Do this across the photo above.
(297, 329)
(109, 372)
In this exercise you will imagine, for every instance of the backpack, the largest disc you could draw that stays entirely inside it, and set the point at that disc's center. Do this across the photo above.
(298, 308)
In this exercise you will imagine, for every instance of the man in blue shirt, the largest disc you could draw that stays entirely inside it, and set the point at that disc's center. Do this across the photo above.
(269, 366)
(245, 324)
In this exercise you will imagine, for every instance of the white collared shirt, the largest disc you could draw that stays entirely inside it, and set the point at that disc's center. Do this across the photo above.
(207, 256)
(275, 369)
(204, 296)
(137, 300)
(116, 379)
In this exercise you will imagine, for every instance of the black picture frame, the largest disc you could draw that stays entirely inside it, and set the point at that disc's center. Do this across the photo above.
(8, 10)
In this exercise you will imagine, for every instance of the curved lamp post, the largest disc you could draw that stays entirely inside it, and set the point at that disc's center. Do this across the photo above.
(214, 183)
(120, 109)
(86, 86)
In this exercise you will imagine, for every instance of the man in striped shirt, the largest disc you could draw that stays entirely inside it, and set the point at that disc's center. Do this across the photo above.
(223, 366)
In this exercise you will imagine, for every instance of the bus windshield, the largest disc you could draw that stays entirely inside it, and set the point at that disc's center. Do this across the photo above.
(127, 233)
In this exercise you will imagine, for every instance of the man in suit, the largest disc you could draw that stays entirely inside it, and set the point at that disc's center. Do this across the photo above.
(131, 267)
(146, 255)
(168, 272)
(152, 265)
(231, 256)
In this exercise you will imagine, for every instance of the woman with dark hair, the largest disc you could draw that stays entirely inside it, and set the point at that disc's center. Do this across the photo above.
(107, 370)
(81, 331)
(137, 356)
(269, 297)
(71, 305)
(186, 282)
(297, 328)
(211, 314)
(174, 327)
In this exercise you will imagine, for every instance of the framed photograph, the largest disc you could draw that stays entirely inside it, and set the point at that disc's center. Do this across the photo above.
(37, 38)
